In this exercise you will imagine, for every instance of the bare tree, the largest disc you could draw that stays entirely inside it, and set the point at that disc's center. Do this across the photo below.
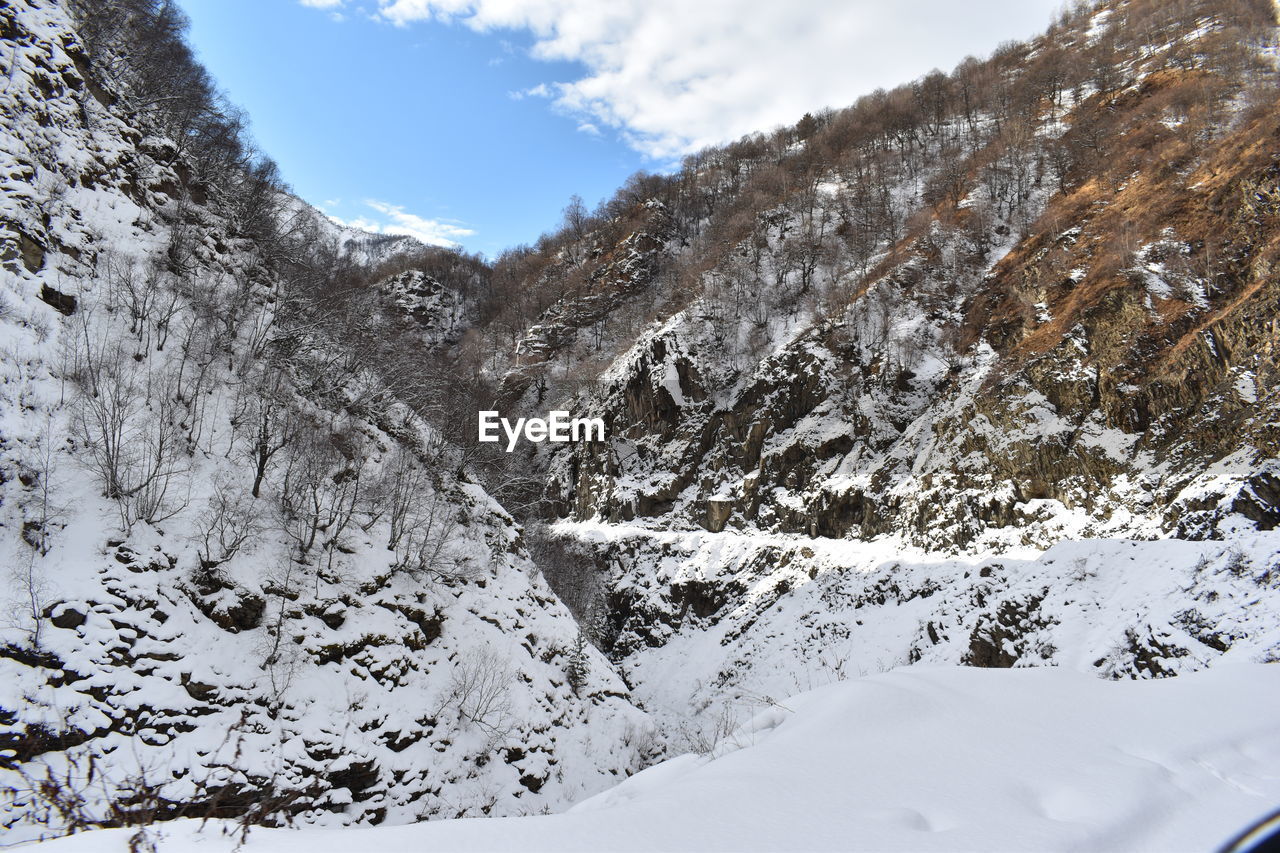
(425, 534)
(266, 417)
(320, 492)
(227, 524)
(128, 420)
(480, 689)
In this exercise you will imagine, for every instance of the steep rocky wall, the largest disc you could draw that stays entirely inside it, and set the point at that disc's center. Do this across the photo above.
(1107, 366)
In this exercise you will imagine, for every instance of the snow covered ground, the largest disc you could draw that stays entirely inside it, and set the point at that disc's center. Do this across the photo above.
(920, 758)
(717, 622)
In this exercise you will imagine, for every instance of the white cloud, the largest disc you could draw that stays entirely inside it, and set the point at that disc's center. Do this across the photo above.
(673, 76)
(332, 5)
(539, 91)
(395, 220)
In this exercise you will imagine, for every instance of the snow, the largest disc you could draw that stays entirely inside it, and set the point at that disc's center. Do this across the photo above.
(796, 613)
(360, 246)
(350, 666)
(920, 759)
(911, 753)
(1097, 25)
(671, 382)
(1246, 386)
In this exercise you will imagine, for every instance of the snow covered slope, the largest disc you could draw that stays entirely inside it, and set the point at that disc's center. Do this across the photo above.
(240, 576)
(918, 759)
(986, 383)
(704, 624)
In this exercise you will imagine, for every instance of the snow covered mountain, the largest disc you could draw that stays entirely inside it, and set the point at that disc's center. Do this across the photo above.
(1029, 305)
(365, 249)
(243, 578)
(980, 372)
(1027, 341)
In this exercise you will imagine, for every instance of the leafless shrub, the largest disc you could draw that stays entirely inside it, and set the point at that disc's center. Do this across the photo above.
(646, 747)
(280, 659)
(321, 490)
(41, 516)
(403, 482)
(74, 792)
(423, 548)
(228, 522)
(479, 690)
(1082, 571)
(422, 520)
(704, 733)
(1235, 562)
(129, 421)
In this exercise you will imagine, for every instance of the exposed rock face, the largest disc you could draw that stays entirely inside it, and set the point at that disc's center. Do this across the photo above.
(598, 286)
(439, 311)
(63, 303)
(1113, 369)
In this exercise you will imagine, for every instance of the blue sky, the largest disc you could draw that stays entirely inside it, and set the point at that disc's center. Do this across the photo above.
(473, 121)
(417, 117)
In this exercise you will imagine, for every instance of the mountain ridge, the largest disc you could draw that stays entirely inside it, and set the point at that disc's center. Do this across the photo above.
(980, 370)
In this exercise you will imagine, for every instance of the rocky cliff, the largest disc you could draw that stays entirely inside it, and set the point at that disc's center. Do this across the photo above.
(1055, 342)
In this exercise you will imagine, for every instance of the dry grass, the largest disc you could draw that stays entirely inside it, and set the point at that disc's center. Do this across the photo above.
(1147, 182)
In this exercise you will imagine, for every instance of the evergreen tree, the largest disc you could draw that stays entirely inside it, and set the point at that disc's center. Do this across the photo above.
(579, 665)
(807, 126)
